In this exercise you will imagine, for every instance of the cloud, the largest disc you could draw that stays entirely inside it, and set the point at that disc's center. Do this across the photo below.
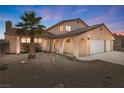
(107, 17)
(110, 18)
(49, 15)
(119, 32)
(116, 24)
(81, 11)
(1, 37)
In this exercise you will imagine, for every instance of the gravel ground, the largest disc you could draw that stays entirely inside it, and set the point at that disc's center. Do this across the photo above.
(49, 70)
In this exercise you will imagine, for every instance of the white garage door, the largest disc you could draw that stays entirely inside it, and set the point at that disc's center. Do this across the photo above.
(108, 45)
(96, 46)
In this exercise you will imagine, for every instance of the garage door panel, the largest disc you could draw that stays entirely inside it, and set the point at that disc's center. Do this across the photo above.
(96, 46)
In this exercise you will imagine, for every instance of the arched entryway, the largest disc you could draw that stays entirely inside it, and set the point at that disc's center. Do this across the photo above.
(56, 45)
(68, 46)
(83, 47)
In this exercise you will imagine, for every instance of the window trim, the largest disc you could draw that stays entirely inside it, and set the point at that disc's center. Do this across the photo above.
(61, 28)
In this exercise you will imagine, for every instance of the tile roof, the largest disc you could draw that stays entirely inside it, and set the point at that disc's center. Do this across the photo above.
(68, 34)
(79, 31)
(14, 32)
(46, 35)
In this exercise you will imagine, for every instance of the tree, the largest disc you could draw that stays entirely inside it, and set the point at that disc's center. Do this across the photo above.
(30, 25)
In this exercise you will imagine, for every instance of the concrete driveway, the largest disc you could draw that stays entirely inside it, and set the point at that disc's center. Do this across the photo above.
(112, 57)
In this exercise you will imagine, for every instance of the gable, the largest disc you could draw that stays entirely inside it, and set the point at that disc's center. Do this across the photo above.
(100, 33)
(74, 24)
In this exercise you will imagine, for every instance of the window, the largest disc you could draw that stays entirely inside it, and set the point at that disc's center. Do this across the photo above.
(23, 40)
(40, 40)
(28, 40)
(36, 40)
(68, 28)
(61, 28)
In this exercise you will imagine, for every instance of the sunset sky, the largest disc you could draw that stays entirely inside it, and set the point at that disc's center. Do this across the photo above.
(112, 16)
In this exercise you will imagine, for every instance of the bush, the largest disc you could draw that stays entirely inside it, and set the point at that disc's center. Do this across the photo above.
(3, 67)
(37, 49)
(25, 48)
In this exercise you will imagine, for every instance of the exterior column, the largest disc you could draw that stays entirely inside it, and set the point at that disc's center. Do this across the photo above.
(51, 45)
(76, 47)
(88, 46)
(62, 47)
(48, 45)
(53, 50)
(18, 45)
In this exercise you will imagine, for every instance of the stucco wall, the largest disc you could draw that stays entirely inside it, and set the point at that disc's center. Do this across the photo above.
(74, 25)
(68, 46)
(14, 44)
(100, 34)
(83, 47)
(44, 44)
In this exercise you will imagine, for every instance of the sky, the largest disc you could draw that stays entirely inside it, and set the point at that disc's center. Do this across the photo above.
(112, 16)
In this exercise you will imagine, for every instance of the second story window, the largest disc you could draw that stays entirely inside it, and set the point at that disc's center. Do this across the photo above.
(61, 28)
(68, 28)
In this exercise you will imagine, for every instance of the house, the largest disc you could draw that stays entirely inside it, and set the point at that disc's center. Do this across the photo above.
(118, 43)
(4, 45)
(72, 37)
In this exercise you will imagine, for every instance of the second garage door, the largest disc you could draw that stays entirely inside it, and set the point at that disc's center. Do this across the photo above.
(96, 46)
(108, 45)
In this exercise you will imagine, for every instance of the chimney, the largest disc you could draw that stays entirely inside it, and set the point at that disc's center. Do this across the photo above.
(8, 25)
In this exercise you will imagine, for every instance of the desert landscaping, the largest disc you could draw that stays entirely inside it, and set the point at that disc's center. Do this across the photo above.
(53, 70)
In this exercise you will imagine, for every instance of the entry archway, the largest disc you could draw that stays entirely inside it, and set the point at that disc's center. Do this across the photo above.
(56, 46)
(67, 46)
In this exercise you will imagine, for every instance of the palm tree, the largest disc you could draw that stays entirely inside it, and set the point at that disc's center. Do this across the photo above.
(30, 25)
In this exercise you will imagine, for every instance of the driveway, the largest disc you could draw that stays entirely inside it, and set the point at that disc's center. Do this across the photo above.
(112, 57)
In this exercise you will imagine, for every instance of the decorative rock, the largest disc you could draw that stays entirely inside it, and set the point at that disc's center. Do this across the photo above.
(23, 62)
(53, 58)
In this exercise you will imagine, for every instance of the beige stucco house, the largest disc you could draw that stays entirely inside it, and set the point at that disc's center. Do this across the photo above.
(73, 37)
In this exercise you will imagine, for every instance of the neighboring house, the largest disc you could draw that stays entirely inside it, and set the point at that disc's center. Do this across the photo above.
(73, 37)
(4, 46)
(118, 42)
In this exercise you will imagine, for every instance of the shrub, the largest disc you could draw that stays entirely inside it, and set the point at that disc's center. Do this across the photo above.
(3, 67)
